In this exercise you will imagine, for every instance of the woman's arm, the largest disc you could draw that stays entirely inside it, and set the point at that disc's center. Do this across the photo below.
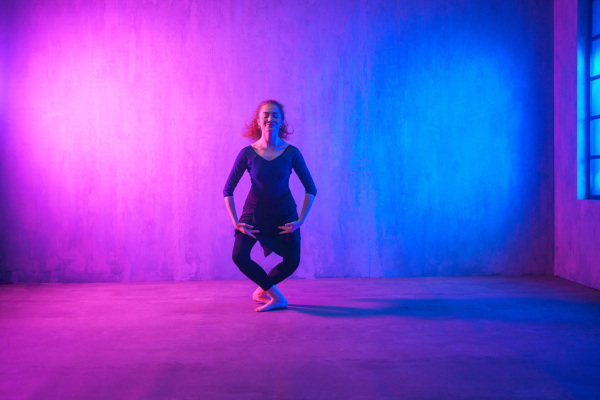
(239, 167)
(311, 191)
(231, 210)
(240, 226)
(292, 226)
(308, 200)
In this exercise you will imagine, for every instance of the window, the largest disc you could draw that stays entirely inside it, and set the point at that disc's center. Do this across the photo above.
(593, 131)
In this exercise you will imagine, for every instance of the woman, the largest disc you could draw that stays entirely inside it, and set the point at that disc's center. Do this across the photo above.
(270, 215)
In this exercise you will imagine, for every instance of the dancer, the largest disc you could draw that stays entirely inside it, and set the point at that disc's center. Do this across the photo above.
(270, 214)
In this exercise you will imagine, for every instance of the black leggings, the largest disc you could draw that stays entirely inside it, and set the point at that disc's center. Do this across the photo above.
(290, 251)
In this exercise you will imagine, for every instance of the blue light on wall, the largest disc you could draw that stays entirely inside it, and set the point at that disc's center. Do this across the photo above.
(453, 154)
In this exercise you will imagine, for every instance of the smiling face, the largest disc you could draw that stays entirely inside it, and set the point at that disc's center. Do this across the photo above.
(269, 118)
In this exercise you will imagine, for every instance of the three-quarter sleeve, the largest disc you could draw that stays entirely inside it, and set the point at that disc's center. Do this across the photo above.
(302, 171)
(240, 165)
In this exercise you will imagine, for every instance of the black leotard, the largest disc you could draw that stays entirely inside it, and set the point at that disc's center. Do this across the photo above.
(270, 202)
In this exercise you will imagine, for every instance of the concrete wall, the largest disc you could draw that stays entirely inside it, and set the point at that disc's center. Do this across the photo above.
(427, 127)
(577, 229)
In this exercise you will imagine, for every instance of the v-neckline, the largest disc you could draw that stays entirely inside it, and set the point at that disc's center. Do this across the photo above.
(279, 155)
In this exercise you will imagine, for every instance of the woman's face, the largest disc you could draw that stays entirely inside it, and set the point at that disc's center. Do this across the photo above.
(269, 118)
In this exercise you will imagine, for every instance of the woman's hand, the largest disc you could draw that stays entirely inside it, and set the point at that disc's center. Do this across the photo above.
(289, 227)
(246, 229)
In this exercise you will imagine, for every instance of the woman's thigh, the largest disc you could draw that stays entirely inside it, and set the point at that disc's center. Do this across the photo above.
(243, 245)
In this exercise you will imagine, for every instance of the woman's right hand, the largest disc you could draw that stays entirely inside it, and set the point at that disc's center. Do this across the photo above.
(246, 228)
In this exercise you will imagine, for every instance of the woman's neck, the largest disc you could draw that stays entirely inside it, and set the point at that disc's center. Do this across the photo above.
(270, 142)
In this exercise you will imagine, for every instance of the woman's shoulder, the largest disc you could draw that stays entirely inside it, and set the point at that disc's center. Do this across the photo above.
(291, 148)
(293, 154)
(246, 150)
(295, 151)
(245, 153)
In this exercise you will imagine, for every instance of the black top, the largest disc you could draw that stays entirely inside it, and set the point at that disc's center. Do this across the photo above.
(270, 179)
(269, 203)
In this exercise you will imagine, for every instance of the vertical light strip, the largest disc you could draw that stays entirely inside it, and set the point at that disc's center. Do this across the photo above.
(593, 138)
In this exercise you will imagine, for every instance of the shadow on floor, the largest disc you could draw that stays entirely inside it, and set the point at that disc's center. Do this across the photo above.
(503, 309)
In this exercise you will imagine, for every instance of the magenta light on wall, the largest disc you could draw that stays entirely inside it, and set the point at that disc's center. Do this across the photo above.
(92, 117)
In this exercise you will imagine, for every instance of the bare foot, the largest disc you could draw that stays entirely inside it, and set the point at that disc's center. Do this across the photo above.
(277, 301)
(260, 296)
(273, 305)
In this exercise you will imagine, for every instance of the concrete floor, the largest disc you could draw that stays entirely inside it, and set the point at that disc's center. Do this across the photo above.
(413, 338)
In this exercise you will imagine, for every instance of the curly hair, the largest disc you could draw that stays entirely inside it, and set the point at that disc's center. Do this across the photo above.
(252, 130)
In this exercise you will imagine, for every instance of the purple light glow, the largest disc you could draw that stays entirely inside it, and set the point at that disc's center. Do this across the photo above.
(85, 103)
(124, 122)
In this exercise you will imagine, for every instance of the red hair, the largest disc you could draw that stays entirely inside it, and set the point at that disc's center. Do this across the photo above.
(252, 130)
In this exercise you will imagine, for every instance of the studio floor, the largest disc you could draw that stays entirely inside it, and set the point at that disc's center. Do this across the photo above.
(402, 338)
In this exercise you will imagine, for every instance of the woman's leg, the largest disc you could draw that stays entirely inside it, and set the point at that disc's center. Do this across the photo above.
(289, 264)
(241, 257)
(290, 251)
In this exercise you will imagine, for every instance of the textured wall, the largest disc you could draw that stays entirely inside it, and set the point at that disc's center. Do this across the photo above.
(576, 221)
(427, 127)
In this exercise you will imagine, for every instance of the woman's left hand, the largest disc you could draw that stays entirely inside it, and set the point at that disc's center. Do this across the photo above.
(289, 227)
